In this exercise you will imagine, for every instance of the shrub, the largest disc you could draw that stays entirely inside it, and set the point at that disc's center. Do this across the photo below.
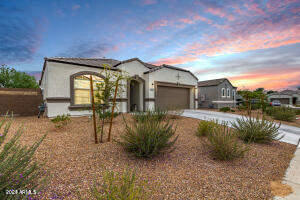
(224, 143)
(255, 106)
(148, 138)
(255, 130)
(270, 110)
(158, 115)
(284, 114)
(18, 169)
(61, 120)
(224, 109)
(232, 110)
(297, 111)
(205, 128)
(122, 185)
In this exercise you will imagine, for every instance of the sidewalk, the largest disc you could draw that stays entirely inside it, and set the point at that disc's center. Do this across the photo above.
(292, 178)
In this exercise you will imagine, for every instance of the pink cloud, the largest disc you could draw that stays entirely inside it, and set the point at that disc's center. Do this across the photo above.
(148, 2)
(254, 7)
(157, 24)
(220, 13)
(76, 7)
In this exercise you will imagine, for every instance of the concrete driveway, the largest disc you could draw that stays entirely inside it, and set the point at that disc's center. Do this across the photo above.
(291, 133)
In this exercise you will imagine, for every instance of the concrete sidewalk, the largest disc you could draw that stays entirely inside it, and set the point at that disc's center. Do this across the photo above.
(291, 133)
(292, 178)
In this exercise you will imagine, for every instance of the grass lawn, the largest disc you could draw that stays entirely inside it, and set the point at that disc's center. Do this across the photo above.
(188, 172)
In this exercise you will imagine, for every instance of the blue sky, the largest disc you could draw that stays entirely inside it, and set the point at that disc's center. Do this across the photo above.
(253, 43)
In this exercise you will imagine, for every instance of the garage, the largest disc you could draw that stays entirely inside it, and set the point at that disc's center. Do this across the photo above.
(282, 100)
(172, 97)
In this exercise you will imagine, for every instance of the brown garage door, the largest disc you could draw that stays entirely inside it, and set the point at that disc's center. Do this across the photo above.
(172, 97)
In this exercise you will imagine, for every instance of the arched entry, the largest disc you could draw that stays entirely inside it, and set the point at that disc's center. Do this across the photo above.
(136, 94)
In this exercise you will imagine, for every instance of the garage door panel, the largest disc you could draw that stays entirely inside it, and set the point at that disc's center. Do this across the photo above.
(172, 97)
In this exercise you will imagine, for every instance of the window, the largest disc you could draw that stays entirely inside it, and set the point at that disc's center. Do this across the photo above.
(202, 97)
(228, 92)
(82, 91)
(223, 92)
(233, 94)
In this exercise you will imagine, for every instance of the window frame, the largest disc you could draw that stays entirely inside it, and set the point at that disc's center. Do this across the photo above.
(223, 92)
(233, 94)
(228, 93)
(72, 84)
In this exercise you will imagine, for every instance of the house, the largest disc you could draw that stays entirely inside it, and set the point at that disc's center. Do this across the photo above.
(216, 93)
(286, 97)
(66, 87)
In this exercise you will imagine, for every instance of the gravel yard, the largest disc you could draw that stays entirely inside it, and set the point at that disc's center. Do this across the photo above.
(188, 172)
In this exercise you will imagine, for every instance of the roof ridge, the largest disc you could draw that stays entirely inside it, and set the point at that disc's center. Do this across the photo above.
(59, 57)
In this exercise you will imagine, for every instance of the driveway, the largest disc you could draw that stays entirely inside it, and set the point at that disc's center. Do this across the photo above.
(291, 133)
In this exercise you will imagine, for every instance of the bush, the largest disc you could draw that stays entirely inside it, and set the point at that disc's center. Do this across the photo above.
(255, 130)
(255, 106)
(224, 109)
(284, 114)
(297, 111)
(242, 107)
(61, 120)
(148, 138)
(158, 115)
(270, 110)
(205, 128)
(18, 169)
(232, 110)
(120, 186)
(225, 144)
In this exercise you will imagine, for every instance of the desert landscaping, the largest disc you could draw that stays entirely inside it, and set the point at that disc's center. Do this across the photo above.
(189, 171)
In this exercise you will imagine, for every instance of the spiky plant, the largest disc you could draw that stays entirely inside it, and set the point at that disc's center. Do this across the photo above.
(205, 128)
(122, 185)
(252, 129)
(224, 143)
(19, 171)
(148, 138)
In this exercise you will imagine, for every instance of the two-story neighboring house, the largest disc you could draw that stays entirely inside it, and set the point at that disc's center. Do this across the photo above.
(216, 93)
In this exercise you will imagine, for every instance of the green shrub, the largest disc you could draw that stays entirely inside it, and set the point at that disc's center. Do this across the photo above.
(297, 111)
(18, 168)
(158, 115)
(282, 113)
(123, 186)
(255, 106)
(61, 120)
(224, 109)
(224, 143)
(148, 138)
(232, 110)
(270, 110)
(255, 130)
(205, 128)
(242, 107)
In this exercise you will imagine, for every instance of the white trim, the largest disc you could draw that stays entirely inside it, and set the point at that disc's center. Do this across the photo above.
(233, 95)
(223, 89)
(228, 93)
(224, 101)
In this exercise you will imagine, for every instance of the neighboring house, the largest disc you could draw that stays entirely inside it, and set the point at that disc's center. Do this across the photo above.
(66, 86)
(216, 93)
(286, 97)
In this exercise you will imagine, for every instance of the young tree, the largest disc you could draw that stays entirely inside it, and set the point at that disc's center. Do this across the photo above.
(111, 84)
(10, 78)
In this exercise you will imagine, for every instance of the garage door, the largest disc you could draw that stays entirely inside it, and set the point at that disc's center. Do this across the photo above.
(282, 100)
(172, 97)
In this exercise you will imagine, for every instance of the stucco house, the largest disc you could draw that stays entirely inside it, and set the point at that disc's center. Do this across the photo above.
(66, 88)
(286, 97)
(216, 93)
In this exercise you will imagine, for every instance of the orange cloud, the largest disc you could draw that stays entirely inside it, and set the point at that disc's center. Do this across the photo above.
(218, 12)
(272, 81)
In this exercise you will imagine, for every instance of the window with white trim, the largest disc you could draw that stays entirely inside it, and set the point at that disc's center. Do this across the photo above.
(233, 94)
(228, 92)
(223, 92)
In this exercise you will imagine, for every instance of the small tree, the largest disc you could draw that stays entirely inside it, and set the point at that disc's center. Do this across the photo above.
(112, 84)
(10, 78)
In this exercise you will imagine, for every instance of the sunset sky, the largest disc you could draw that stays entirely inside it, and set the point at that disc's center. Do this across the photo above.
(253, 43)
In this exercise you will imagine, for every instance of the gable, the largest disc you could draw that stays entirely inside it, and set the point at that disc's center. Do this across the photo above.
(133, 67)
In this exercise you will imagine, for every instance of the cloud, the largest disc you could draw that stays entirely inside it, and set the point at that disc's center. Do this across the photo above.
(89, 49)
(76, 7)
(19, 37)
(157, 24)
(147, 2)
